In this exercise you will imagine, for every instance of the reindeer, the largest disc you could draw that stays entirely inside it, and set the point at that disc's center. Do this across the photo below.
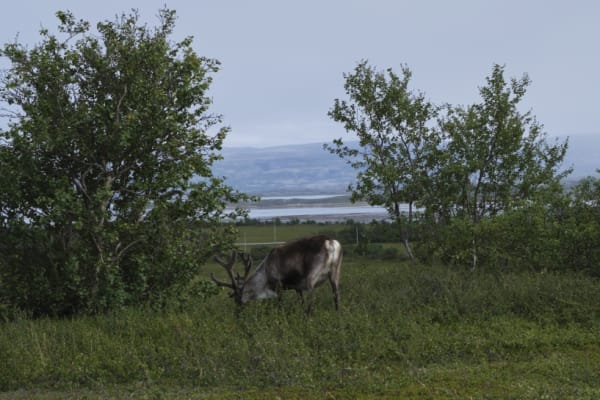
(300, 265)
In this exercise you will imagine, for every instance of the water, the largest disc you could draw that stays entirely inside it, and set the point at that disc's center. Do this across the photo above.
(339, 212)
(361, 213)
(303, 197)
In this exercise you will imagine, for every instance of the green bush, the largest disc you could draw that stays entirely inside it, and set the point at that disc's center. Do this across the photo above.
(106, 193)
(552, 233)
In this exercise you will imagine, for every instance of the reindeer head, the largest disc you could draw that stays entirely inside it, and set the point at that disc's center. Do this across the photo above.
(237, 281)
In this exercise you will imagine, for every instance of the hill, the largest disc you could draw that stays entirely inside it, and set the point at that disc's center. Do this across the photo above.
(309, 169)
(583, 154)
(285, 170)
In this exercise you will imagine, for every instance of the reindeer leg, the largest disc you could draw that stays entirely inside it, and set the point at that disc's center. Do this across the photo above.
(279, 291)
(336, 293)
(311, 298)
(309, 309)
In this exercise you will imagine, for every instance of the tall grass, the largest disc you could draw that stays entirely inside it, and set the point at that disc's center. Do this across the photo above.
(401, 329)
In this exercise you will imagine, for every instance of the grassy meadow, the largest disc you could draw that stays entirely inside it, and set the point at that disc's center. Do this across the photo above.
(265, 233)
(403, 331)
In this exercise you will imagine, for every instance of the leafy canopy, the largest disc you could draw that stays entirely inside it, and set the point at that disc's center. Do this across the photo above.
(463, 168)
(395, 139)
(107, 195)
(495, 156)
(391, 124)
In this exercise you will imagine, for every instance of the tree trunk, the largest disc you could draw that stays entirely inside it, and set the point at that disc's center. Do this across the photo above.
(409, 250)
(474, 250)
(405, 231)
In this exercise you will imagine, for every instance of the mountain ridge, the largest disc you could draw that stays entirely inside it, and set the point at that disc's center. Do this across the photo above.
(284, 170)
(305, 169)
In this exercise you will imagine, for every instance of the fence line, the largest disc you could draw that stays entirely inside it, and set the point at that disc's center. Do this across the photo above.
(258, 243)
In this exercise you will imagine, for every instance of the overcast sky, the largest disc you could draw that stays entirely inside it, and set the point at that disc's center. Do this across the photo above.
(283, 61)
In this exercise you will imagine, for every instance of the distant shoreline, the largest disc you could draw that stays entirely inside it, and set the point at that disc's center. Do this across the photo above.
(305, 197)
(319, 213)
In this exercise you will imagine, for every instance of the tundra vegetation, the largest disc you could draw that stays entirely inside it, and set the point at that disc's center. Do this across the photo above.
(110, 214)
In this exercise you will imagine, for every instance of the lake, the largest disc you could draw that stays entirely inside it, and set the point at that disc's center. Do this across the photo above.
(320, 213)
(321, 208)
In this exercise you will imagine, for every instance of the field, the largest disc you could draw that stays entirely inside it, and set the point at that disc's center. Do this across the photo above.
(283, 232)
(403, 331)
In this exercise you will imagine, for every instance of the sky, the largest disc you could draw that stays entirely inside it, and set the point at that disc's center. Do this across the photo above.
(282, 62)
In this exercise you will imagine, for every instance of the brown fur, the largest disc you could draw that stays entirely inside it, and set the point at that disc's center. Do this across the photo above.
(300, 265)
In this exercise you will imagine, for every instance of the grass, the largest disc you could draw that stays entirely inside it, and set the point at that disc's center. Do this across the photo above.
(402, 332)
(416, 340)
(283, 232)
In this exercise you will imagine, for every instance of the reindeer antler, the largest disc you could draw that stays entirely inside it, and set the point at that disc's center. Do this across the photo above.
(228, 265)
(237, 281)
(247, 260)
